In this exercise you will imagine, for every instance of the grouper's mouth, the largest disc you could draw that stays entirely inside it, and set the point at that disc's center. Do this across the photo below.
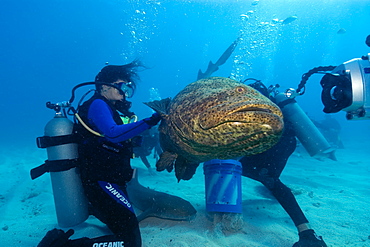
(253, 109)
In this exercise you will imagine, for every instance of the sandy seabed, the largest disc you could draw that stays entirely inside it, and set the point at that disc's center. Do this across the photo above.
(333, 194)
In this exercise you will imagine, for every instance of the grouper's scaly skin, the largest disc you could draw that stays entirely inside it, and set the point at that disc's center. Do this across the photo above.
(219, 118)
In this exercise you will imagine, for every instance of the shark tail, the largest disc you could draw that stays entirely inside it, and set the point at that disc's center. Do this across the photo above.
(200, 74)
(210, 69)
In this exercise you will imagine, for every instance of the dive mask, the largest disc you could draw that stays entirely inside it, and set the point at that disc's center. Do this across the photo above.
(126, 88)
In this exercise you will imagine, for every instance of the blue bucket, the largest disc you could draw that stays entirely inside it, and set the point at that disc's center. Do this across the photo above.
(223, 186)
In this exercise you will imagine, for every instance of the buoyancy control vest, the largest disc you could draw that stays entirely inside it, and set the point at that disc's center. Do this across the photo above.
(99, 158)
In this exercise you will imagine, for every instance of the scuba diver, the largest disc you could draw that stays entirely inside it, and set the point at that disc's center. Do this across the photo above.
(267, 167)
(105, 149)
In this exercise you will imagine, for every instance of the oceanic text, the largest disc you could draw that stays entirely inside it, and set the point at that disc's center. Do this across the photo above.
(109, 244)
(118, 195)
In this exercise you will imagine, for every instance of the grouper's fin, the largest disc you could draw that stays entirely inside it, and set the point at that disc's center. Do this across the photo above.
(160, 106)
(213, 67)
(184, 169)
(166, 161)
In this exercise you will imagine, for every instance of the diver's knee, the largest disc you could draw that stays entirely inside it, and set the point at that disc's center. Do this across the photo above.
(269, 183)
(267, 180)
(277, 187)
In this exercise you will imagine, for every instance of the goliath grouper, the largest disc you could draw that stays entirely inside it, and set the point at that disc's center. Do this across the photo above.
(214, 118)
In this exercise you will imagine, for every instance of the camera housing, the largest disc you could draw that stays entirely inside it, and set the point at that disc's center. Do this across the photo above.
(347, 88)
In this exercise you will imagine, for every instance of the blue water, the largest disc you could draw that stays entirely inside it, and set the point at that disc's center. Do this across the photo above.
(50, 46)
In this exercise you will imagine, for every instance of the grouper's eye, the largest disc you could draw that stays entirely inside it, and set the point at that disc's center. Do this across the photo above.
(239, 89)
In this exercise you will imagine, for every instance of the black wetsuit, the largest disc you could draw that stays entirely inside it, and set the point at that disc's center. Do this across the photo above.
(266, 168)
(105, 169)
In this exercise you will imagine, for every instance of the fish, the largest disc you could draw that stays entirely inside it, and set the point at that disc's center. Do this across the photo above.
(244, 17)
(214, 118)
(158, 204)
(341, 31)
(213, 67)
(290, 19)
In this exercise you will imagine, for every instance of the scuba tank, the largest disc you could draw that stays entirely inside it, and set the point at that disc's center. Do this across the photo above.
(70, 201)
(307, 133)
(61, 143)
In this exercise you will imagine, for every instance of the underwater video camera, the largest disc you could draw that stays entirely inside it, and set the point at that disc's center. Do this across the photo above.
(347, 88)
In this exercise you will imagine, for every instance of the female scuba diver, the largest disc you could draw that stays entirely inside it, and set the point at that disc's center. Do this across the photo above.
(105, 151)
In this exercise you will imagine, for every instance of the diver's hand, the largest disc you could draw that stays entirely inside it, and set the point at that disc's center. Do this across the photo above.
(55, 238)
(153, 120)
(309, 238)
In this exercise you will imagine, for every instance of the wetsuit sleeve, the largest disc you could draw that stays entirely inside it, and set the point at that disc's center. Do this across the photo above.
(100, 116)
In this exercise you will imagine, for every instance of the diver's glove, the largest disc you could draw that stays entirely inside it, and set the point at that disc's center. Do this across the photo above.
(153, 120)
(56, 238)
(308, 238)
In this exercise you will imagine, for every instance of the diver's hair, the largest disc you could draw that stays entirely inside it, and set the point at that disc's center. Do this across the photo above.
(112, 73)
